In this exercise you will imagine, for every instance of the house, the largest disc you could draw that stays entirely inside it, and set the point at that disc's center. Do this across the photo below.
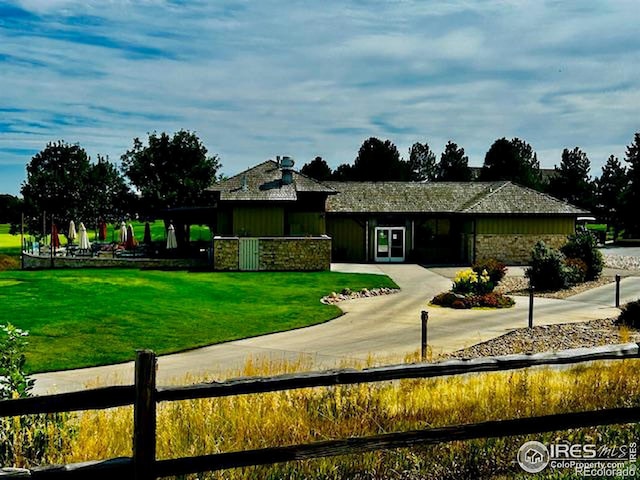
(271, 217)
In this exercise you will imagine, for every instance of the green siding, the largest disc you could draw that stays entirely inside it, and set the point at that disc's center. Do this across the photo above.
(306, 223)
(348, 238)
(223, 223)
(502, 225)
(258, 221)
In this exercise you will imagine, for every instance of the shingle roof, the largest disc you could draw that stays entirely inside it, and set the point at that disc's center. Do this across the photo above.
(264, 182)
(444, 197)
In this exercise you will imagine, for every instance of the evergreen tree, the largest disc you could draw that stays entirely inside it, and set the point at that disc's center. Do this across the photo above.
(453, 165)
(610, 188)
(631, 196)
(422, 162)
(572, 182)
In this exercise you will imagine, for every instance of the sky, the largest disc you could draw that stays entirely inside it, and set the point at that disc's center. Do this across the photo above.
(256, 79)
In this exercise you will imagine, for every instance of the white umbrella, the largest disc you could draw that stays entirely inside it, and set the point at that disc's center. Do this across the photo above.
(83, 239)
(123, 233)
(171, 238)
(72, 232)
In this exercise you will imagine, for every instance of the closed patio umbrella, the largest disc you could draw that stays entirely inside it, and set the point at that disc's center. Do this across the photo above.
(83, 238)
(130, 242)
(102, 230)
(71, 236)
(171, 238)
(147, 234)
(55, 239)
(123, 233)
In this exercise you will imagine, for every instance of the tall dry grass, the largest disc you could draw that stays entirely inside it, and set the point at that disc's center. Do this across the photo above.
(253, 421)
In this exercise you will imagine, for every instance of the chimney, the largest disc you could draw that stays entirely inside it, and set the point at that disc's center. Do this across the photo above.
(286, 165)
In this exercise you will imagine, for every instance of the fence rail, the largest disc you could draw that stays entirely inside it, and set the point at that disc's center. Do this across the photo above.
(144, 395)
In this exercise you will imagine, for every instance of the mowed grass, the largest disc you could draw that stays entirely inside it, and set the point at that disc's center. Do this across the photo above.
(80, 318)
(9, 244)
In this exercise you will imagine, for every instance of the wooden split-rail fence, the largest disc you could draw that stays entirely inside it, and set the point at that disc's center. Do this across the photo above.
(144, 395)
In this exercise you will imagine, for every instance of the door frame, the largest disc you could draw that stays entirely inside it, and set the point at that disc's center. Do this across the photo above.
(390, 233)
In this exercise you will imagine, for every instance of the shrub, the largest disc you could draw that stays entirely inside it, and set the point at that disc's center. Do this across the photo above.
(444, 299)
(547, 270)
(8, 262)
(495, 269)
(14, 382)
(577, 270)
(491, 300)
(630, 315)
(583, 245)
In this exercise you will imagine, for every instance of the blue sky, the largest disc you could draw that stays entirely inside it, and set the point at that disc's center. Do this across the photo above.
(255, 79)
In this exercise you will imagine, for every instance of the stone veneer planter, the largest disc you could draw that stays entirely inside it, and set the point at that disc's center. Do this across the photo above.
(34, 262)
(276, 253)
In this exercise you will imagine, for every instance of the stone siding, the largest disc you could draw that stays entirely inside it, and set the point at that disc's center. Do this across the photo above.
(32, 262)
(514, 249)
(284, 253)
(226, 253)
(276, 253)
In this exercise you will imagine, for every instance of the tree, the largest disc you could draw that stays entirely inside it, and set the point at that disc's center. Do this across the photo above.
(422, 162)
(610, 188)
(57, 183)
(512, 160)
(170, 171)
(317, 169)
(343, 173)
(631, 195)
(379, 161)
(111, 198)
(63, 183)
(571, 182)
(10, 210)
(453, 165)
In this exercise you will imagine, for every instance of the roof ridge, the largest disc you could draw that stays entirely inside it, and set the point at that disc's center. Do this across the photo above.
(324, 184)
(481, 197)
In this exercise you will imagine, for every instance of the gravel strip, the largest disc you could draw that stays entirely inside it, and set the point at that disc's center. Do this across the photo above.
(546, 338)
(347, 294)
(520, 286)
(622, 262)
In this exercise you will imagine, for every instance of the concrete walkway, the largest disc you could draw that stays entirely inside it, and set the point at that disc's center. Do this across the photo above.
(387, 328)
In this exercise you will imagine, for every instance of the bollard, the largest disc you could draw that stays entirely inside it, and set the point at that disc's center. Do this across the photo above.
(424, 317)
(617, 290)
(531, 289)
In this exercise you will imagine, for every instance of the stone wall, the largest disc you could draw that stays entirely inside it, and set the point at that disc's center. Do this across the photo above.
(295, 253)
(514, 249)
(226, 253)
(276, 253)
(33, 262)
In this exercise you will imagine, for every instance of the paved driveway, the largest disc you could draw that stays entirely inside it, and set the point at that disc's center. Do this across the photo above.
(386, 327)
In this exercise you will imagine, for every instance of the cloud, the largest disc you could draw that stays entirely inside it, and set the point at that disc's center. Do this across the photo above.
(257, 79)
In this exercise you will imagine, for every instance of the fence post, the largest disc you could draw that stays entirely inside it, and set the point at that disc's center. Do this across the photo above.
(144, 416)
(531, 289)
(424, 317)
(617, 290)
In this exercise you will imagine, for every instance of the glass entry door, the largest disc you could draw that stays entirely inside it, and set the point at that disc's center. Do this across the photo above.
(389, 244)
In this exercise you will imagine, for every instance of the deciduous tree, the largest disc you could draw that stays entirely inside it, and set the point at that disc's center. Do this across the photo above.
(170, 171)
(512, 160)
(317, 169)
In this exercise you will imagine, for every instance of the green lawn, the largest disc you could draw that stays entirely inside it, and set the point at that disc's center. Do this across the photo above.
(96, 317)
(9, 244)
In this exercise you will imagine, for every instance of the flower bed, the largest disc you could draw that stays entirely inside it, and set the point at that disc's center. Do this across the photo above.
(474, 288)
